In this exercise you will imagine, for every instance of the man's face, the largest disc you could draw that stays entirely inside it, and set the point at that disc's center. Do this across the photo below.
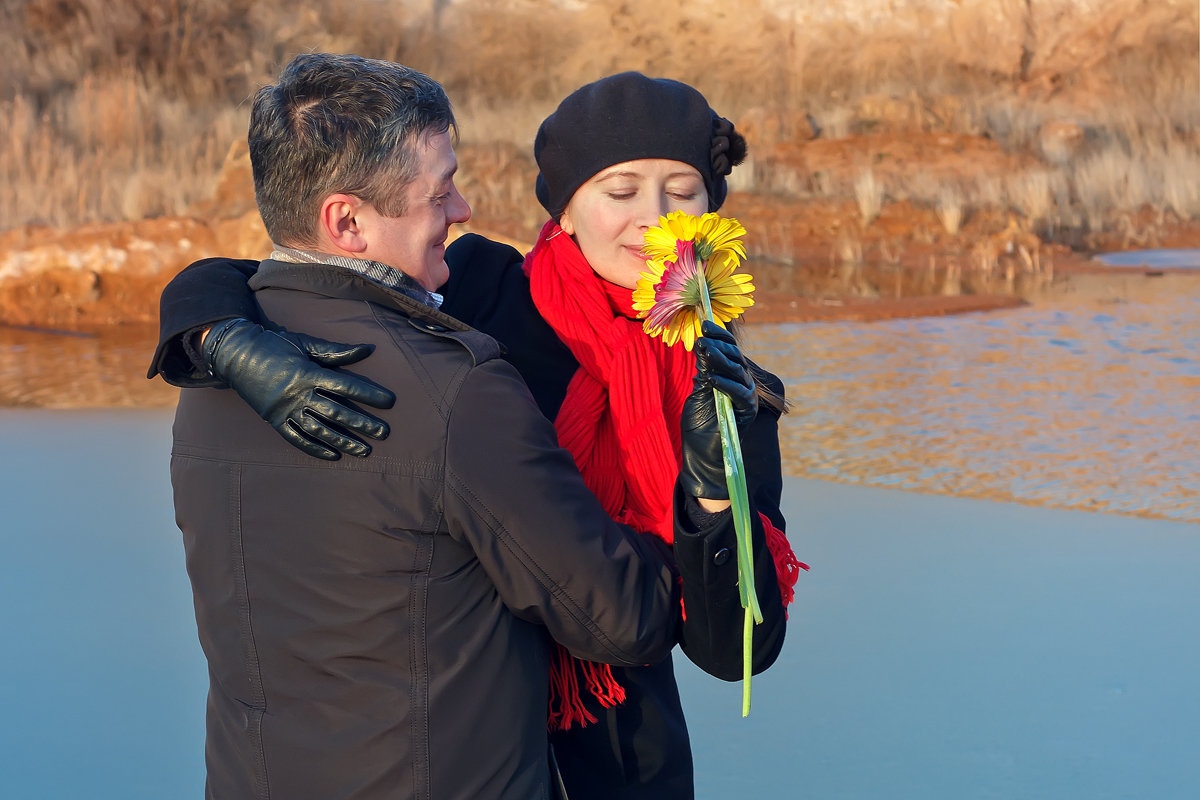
(415, 242)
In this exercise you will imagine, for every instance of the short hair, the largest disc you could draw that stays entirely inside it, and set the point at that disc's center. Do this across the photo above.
(339, 123)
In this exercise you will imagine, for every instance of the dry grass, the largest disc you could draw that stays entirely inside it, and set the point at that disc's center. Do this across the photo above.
(950, 210)
(868, 193)
(121, 109)
(1038, 194)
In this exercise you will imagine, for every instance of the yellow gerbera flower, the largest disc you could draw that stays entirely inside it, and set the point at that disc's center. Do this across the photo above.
(669, 294)
(710, 234)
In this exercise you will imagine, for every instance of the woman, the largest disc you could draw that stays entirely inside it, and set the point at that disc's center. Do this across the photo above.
(613, 157)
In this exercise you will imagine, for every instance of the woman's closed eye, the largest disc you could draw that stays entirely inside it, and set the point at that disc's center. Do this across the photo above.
(629, 194)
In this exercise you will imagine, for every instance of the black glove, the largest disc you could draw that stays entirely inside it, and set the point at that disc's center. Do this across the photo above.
(719, 364)
(282, 376)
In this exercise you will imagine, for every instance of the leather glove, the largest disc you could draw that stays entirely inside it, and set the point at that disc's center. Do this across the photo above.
(282, 376)
(719, 364)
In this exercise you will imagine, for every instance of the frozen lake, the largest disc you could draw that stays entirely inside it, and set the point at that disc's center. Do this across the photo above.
(941, 648)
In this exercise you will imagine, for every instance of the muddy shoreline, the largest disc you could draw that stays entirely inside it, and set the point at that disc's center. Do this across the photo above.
(106, 275)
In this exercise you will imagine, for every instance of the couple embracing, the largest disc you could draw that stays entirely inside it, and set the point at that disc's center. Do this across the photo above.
(481, 602)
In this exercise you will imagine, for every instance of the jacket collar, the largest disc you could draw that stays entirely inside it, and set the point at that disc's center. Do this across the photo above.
(380, 273)
(339, 282)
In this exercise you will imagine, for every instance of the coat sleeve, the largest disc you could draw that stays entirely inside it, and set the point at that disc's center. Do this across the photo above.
(713, 627)
(215, 289)
(556, 558)
(204, 293)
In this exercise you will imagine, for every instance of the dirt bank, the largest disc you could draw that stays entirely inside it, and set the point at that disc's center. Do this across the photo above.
(820, 258)
(906, 156)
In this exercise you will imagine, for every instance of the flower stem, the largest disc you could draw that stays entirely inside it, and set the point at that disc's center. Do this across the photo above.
(735, 479)
(747, 653)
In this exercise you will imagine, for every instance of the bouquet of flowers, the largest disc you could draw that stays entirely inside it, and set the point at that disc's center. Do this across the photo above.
(692, 276)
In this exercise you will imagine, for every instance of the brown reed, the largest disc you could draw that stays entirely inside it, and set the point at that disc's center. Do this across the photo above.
(124, 109)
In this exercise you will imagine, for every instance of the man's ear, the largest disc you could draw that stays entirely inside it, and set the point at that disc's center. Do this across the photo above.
(339, 223)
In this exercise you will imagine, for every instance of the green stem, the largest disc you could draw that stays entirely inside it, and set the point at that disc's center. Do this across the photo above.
(747, 652)
(735, 479)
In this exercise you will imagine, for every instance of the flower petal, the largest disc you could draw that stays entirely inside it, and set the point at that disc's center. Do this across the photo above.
(684, 250)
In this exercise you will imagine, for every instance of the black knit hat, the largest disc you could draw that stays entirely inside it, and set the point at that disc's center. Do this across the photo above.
(625, 117)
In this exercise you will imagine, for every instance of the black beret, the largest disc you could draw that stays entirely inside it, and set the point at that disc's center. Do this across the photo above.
(625, 117)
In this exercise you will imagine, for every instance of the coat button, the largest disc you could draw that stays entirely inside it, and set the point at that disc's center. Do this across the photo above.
(721, 556)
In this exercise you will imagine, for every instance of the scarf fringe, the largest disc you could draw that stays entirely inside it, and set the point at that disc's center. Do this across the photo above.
(787, 566)
(566, 701)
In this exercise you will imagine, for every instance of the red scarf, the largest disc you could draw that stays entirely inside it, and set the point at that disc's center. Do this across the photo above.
(620, 421)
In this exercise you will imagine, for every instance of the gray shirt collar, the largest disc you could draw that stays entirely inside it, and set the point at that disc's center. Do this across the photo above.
(373, 270)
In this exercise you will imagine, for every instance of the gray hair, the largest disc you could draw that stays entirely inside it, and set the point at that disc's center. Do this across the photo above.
(339, 123)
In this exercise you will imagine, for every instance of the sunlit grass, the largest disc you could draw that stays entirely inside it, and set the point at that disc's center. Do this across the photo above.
(123, 109)
(950, 210)
(868, 193)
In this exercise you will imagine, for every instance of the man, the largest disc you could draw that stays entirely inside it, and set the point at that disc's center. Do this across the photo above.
(381, 628)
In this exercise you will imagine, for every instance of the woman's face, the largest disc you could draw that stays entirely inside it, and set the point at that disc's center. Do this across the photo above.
(608, 216)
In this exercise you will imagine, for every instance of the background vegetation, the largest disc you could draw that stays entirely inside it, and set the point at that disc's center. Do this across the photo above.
(125, 109)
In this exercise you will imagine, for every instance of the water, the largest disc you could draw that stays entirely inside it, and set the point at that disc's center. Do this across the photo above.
(1085, 399)
(940, 649)
(42, 368)
(1154, 259)
(101, 683)
(952, 649)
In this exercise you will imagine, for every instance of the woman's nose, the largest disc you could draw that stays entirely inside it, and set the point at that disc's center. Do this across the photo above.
(652, 209)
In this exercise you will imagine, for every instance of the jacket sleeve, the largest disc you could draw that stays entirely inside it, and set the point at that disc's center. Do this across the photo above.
(556, 558)
(713, 625)
(204, 293)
